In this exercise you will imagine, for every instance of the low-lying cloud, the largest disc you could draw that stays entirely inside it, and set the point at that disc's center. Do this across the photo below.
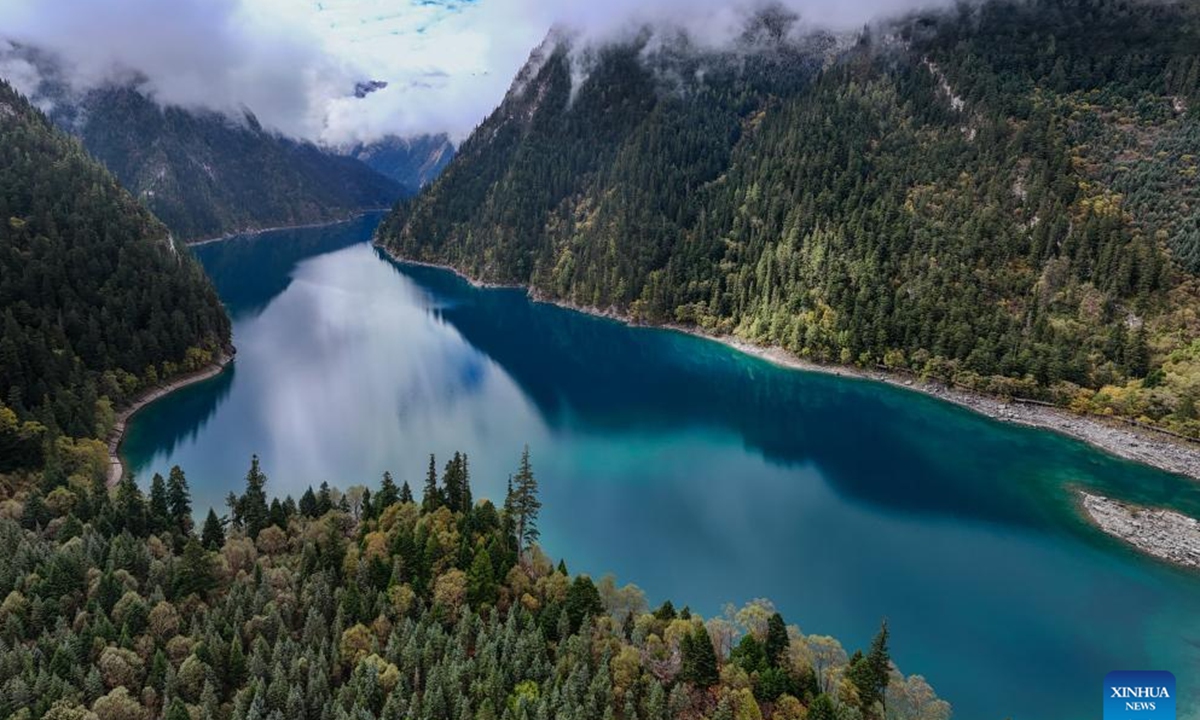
(294, 63)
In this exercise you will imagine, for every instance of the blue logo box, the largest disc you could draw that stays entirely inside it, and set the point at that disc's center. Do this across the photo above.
(1139, 695)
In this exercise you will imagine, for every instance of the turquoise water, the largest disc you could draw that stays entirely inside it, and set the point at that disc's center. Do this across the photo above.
(696, 472)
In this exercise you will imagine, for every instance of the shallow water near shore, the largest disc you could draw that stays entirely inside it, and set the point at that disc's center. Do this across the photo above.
(699, 473)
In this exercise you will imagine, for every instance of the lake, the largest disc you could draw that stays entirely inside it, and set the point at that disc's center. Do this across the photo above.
(701, 474)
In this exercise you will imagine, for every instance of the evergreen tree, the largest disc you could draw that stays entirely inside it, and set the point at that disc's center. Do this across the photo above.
(179, 498)
(583, 600)
(406, 495)
(777, 641)
(308, 503)
(481, 580)
(324, 499)
(388, 494)
(252, 505)
(431, 499)
(160, 508)
(195, 572)
(130, 506)
(35, 514)
(525, 503)
(212, 536)
(822, 708)
(176, 710)
(871, 673)
(700, 659)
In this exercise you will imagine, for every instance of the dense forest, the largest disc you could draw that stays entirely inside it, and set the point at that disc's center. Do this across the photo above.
(1000, 195)
(204, 173)
(97, 301)
(361, 604)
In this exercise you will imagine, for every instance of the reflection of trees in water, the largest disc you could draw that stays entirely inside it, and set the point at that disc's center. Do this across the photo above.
(191, 408)
(875, 443)
(250, 271)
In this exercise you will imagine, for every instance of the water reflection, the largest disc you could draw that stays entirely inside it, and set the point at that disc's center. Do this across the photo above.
(698, 473)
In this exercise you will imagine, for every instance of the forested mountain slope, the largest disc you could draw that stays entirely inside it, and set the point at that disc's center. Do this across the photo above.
(203, 173)
(413, 161)
(97, 300)
(1001, 194)
(380, 605)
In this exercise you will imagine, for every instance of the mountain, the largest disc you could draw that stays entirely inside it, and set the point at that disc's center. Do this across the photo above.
(412, 162)
(204, 173)
(1000, 195)
(98, 301)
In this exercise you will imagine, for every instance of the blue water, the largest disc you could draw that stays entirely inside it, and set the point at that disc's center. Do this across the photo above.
(696, 472)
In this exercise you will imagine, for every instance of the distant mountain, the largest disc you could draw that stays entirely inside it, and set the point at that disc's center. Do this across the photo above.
(413, 162)
(97, 301)
(203, 173)
(1001, 195)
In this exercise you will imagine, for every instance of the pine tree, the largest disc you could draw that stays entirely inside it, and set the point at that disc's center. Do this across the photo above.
(35, 514)
(388, 495)
(822, 708)
(406, 495)
(481, 580)
(878, 663)
(179, 498)
(252, 505)
(324, 499)
(705, 672)
(452, 483)
(777, 641)
(213, 534)
(431, 499)
(176, 711)
(195, 572)
(308, 503)
(583, 600)
(130, 506)
(525, 503)
(160, 509)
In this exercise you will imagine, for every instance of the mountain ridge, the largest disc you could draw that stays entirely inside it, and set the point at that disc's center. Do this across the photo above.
(938, 196)
(206, 173)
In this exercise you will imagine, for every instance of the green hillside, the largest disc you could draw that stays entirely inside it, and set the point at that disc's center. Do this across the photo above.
(997, 195)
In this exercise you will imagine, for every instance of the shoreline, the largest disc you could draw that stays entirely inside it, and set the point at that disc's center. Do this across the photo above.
(251, 232)
(116, 467)
(1146, 446)
(1164, 534)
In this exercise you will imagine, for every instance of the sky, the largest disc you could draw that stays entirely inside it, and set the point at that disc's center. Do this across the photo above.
(294, 63)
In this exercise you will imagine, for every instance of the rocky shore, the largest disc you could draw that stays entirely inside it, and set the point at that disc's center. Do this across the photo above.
(1165, 534)
(1142, 445)
(115, 467)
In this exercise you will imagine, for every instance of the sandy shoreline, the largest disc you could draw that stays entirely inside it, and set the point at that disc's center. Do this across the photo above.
(1141, 445)
(115, 467)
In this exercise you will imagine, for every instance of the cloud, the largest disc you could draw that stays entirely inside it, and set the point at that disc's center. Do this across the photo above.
(294, 63)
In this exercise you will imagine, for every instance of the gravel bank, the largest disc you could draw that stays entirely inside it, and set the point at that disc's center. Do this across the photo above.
(1165, 534)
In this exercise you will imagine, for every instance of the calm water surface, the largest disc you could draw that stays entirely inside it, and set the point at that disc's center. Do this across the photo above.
(696, 472)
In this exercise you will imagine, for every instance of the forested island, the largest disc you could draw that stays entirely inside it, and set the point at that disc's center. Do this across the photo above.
(378, 604)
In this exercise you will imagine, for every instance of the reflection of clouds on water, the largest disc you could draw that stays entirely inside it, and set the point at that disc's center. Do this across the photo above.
(694, 471)
(365, 347)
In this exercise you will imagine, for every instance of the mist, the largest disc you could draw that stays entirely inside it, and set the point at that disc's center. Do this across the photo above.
(294, 63)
